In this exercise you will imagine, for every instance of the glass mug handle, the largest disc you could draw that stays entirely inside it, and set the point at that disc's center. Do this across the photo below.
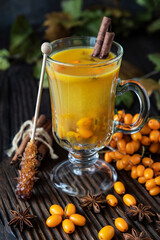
(144, 103)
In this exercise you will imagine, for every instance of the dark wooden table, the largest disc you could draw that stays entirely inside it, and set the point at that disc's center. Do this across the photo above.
(18, 90)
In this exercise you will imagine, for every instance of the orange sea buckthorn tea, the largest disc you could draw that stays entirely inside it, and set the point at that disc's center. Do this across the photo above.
(82, 92)
(83, 96)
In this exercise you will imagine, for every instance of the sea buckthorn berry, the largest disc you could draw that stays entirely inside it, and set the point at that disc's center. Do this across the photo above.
(134, 172)
(153, 124)
(78, 219)
(85, 133)
(153, 148)
(116, 117)
(54, 220)
(135, 118)
(106, 233)
(150, 184)
(148, 173)
(154, 191)
(126, 160)
(157, 180)
(154, 136)
(128, 167)
(68, 226)
(140, 170)
(145, 141)
(135, 159)
(137, 145)
(121, 144)
(86, 123)
(111, 200)
(112, 154)
(141, 180)
(136, 136)
(119, 155)
(56, 209)
(69, 209)
(107, 157)
(128, 118)
(129, 200)
(121, 224)
(119, 187)
(121, 113)
(130, 148)
(156, 166)
(145, 130)
(119, 165)
(147, 162)
(113, 143)
(117, 136)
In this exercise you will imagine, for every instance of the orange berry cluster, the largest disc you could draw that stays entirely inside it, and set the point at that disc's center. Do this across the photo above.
(71, 218)
(108, 231)
(126, 147)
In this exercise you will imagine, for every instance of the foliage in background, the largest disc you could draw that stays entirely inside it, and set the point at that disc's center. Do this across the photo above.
(75, 21)
(4, 59)
(23, 42)
(72, 20)
(154, 86)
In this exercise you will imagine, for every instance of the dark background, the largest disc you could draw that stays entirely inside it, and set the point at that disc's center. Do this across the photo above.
(136, 47)
(36, 9)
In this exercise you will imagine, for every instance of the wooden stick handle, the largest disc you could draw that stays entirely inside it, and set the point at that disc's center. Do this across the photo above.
(43, 149)
(46, 49)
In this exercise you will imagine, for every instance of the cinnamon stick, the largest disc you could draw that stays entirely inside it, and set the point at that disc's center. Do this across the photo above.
(107, 43)
(101, 35)
(43, 149)
(41, 120)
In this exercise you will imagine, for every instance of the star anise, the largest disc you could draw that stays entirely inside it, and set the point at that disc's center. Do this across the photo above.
(135, 236)
(158, 222)
(95, 202)
(141, 212)
(21, 217)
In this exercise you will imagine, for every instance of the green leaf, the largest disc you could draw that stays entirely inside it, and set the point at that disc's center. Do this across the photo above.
(4, 53)
(149, 4)
(92, 27)
(23, 42)
(20, 32)
(73, 7)
(155, 58)
(33, 50)
(154, 26)
(91, 21)
(157, 97)
(4, 62)
(143, 16)
(37, 73)
(126, 99)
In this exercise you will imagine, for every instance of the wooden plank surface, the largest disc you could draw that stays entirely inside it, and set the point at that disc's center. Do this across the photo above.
(18, 92)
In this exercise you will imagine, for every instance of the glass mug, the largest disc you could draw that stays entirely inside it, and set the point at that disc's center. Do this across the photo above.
(82, 104)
